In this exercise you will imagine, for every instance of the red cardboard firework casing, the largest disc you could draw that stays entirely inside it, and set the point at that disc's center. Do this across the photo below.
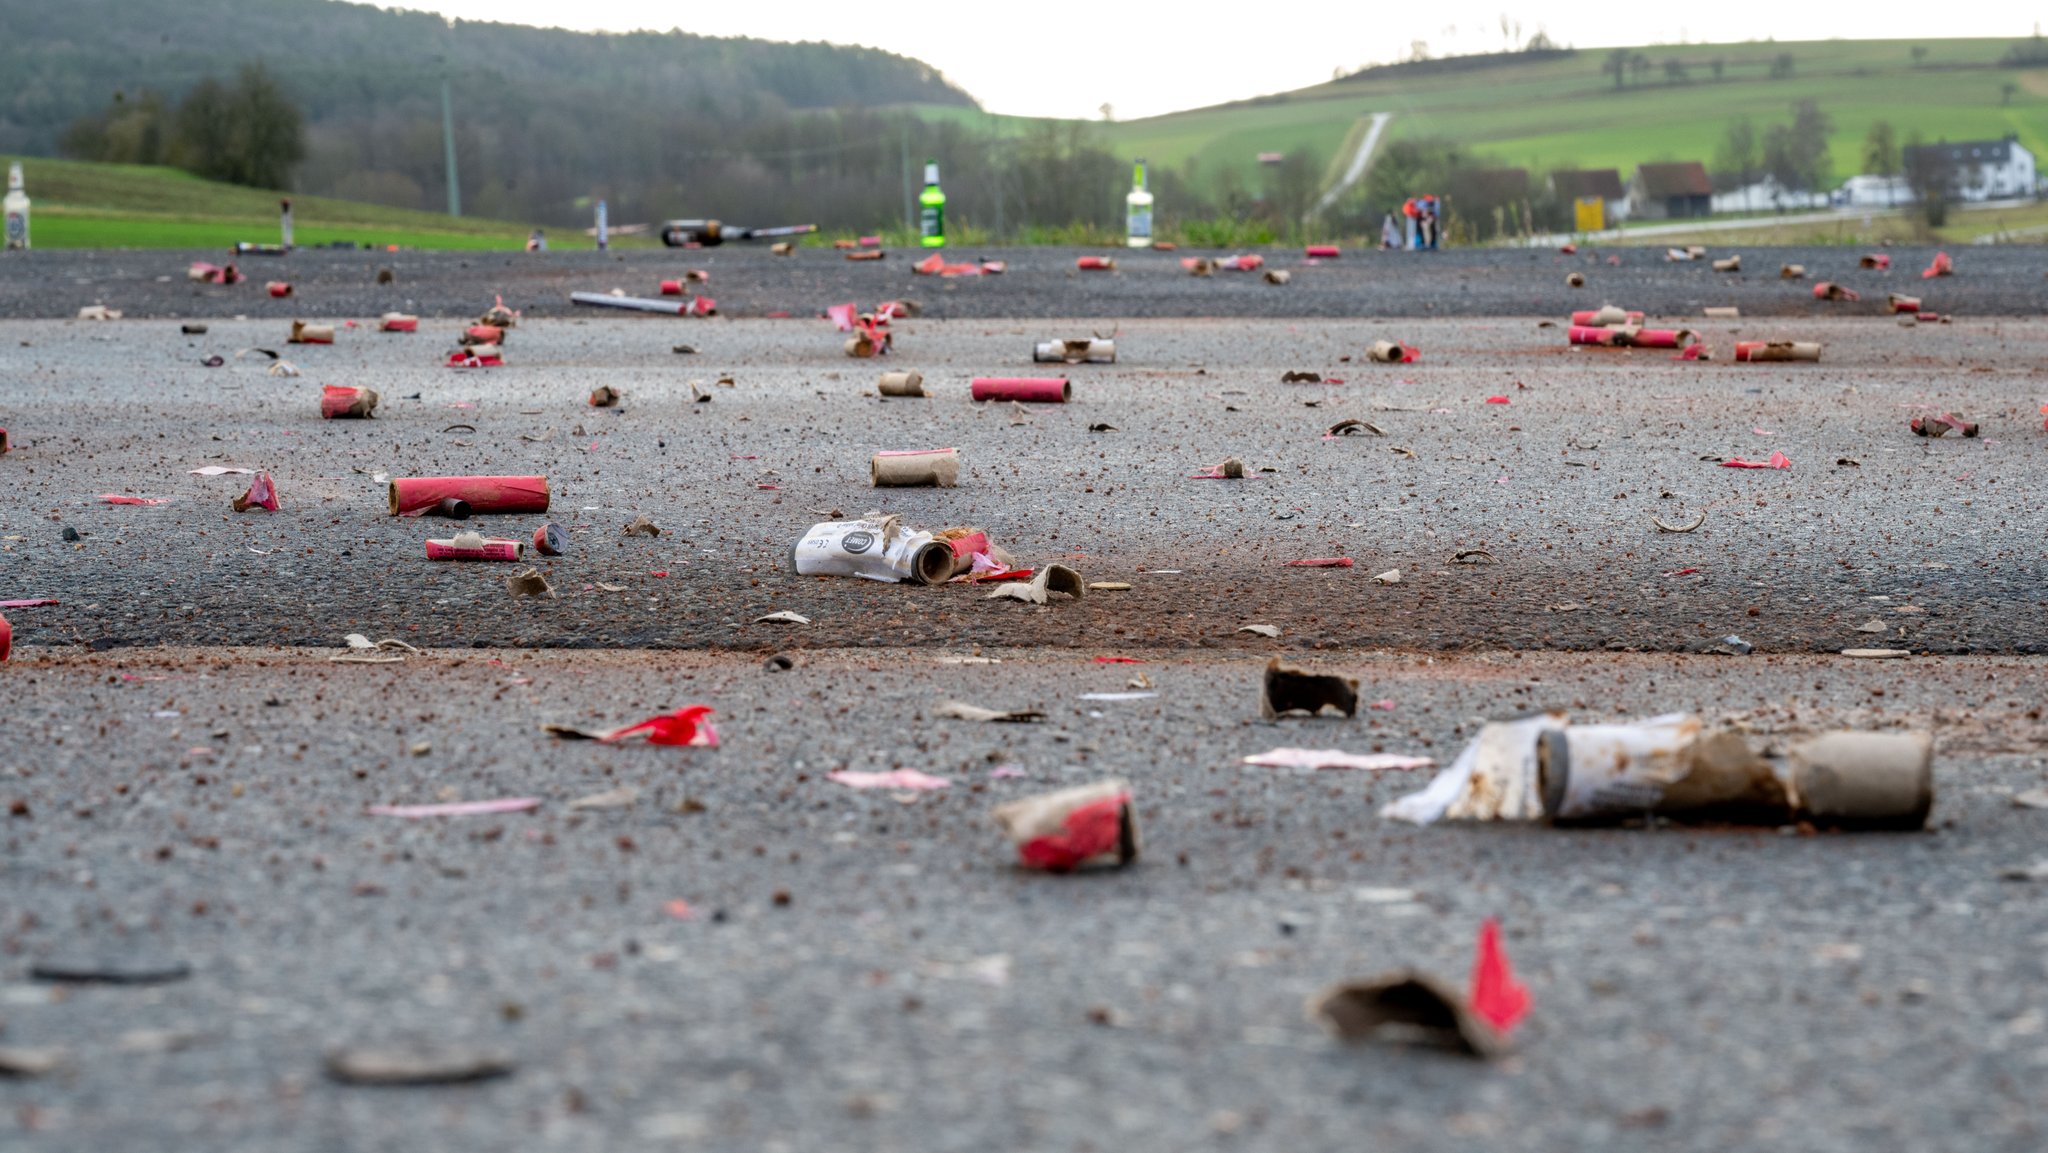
(550, 540)
(411, 496)
(1322, 252)
(1047, 390)
(6, 637)
(1086, 827)
(1096, 264)
(473, 546)
(338, 402)
(398, 322)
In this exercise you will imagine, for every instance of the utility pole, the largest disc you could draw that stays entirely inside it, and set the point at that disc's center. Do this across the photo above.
(995, 175)
(909, 206)
(448, 149)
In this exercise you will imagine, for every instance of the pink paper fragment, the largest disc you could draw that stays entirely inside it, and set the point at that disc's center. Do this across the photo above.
(117, 498)
(457, 808)
(1335, 759)
(30, 603)
(893, 779)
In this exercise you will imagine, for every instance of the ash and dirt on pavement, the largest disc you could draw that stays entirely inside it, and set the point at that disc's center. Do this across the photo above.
(733, 950)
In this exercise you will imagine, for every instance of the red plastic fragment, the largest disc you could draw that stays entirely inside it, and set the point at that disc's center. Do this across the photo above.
(6, 638)
(1778, 460)
(1096, 827)
(262, 494)
(1497, 400)
(841, 316)
(686, 726)
(1496, 995)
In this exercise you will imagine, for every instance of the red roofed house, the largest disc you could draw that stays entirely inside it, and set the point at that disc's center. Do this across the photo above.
(1670, 191)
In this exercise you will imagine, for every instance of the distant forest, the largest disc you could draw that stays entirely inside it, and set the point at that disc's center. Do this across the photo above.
(662, 123)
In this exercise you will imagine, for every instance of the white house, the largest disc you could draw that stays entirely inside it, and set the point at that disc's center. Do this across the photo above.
(1768, 195)
(1983, 169)
(1876, 191)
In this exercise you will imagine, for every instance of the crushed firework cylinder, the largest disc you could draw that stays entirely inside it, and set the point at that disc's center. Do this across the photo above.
(1087, 827)
(343, 402)
(1387, 352)
(262, 494)
(1655, 337)
(1288, 689)
(901, 384)
(482, 334)
(303, 333)
(413, 496)
(869, 341)
(278, 289)
(1278, 276)
(499, 316)
(550, 540)
(875, 547)
(916, 469)
(1729, 264)
(1053, 578)
(1829, 290)
(1042, 390)
(604, 396)
(1902, 303)
(1406, 1005)
(1942, 425)
(1543, 768)
(1605, 316)
(1878, 260)
(1097, 351)
(1096, 264)
(1792, 272)
(398, 322)
(474, 546)
(1762, 350)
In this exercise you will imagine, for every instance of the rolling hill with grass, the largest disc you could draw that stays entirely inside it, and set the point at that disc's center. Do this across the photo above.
(82, 205)
(1565, 111)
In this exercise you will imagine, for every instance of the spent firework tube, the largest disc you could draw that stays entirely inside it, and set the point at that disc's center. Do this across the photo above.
(473, 546)
(1097, 351)
(1096, 264)
(1092, 826)
(1243, 262)
(3, 441)
(6, 637)
(631, 303)
(1656, 337)
(1047, 390)
(1589, 334)
(550, 540)
(901, 384)
(874, 549)
(671, 288)
(921, 468)
(412, 496)
(1762, 350)
(1322, 252)
(278, 288)
(303, 333)
(1864, 780)
(1605, 316)
(344, 402)
(479, 334)
(398, 322)
(1903, 303)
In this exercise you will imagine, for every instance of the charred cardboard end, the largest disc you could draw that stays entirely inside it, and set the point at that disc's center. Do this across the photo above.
(604, 396)
(1097, 351)
(1405, 1006)
(1870, 781)
(1086, 827)
(1289, 689)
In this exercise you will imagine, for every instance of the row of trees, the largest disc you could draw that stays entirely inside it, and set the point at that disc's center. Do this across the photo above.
(1626, 65)
(248, 132)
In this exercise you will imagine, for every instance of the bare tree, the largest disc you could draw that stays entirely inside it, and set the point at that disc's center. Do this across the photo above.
(1616, 65)
(1781, 66)
(1931, 177)
(1718, 65)
(1674, 70)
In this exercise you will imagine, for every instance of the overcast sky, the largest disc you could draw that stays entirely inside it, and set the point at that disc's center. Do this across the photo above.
(1059, 58)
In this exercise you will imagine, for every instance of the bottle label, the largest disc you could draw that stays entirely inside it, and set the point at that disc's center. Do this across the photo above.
(1141, 222)
(17, 230)
(932, 222)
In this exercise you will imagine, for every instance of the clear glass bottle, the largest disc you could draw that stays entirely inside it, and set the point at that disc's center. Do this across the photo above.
(1138, 211)
(15, 207)
(931, 216)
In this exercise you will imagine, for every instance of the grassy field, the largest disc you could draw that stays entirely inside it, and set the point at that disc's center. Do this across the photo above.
(79, 205)
(2026, 224)
(1567, 113)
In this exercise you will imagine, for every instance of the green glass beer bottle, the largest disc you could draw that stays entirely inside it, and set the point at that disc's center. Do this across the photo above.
(931, 217)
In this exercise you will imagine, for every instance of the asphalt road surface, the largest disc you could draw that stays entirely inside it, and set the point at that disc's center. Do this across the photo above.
(1040, 282)
(1872, 535)
(867, 970)
(749, 955)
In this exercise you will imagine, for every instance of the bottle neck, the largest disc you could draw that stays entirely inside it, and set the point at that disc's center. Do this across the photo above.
(931, 174)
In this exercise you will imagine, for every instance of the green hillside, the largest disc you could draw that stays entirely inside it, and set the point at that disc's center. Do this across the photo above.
(1563, 113)
(80, 205)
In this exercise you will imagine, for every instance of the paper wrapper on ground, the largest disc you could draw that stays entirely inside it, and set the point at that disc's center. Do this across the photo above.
(1091, 826)
(483, 494)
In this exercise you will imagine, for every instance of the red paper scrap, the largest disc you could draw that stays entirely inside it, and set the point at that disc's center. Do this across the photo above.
(30, 603)
(1681, 572)
(841, 315)
(1497, 400)
(117, 498)
(1496, 995)
(1118, 661)
(1778, 460)
(1321, 562)
(1942, 266)
(1096, 827)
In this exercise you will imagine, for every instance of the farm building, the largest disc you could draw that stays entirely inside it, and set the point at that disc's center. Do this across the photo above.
(1671, 191)
(1981, 169)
